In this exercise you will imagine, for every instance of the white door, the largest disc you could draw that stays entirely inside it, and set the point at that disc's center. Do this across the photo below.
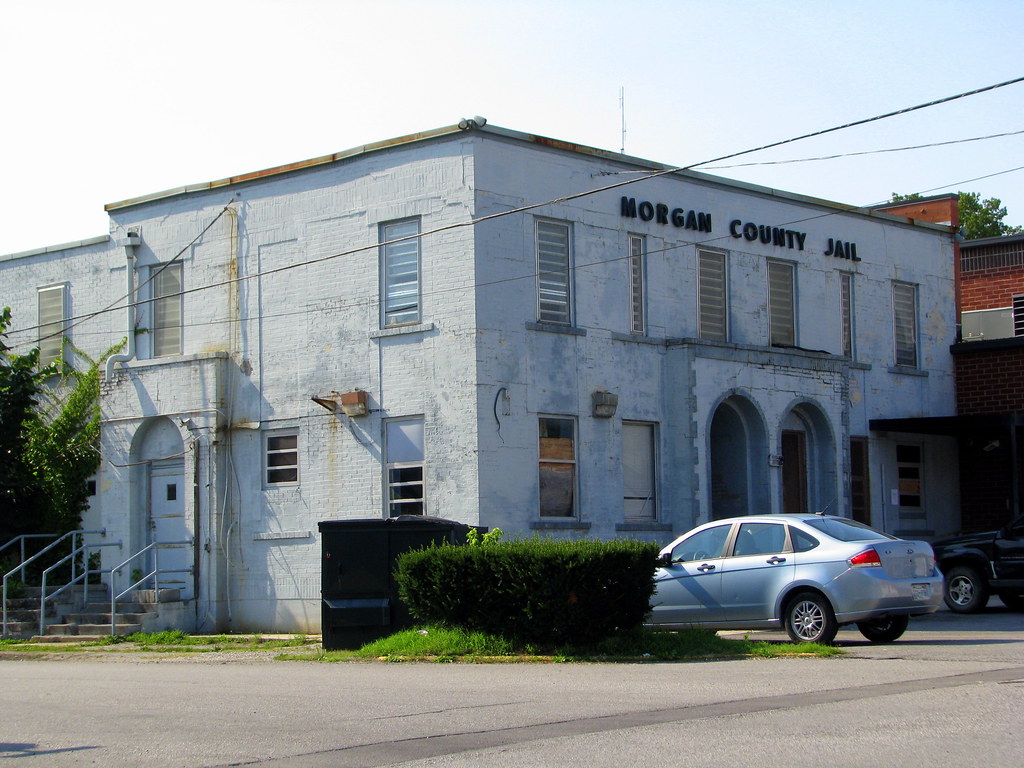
(167, 523)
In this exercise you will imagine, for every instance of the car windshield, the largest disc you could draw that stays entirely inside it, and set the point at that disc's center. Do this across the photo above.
(846, 530)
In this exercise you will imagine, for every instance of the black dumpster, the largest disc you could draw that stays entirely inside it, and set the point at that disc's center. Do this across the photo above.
(359, 595)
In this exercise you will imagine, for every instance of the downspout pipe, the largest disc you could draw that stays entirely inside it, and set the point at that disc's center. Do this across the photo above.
(128, 242)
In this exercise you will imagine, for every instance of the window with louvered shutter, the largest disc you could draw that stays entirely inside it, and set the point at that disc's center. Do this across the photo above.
(51, 322)
(904, 320)
(167, 310)
(1018, 315)
(400, 272)
(781, 304)
(846, 311)
(712, 296)
(637, 249)
(553, 273)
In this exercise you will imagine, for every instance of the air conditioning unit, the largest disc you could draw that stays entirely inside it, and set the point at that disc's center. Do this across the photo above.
(987, 324)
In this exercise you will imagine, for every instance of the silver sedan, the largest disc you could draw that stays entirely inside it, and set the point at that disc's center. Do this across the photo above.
(808, 574)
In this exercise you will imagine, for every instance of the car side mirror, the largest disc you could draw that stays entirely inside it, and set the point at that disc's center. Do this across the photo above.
(664, 561)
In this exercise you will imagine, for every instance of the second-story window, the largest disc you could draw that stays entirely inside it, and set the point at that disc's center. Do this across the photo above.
(554, 272)
(846, 311)
(167, 310)
(781, 304)
(400, 272)
(904, 321)
(52, 320)
(638, 309)
(712, 296)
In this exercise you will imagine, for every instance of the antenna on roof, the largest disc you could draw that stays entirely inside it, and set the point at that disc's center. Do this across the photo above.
(622, 115)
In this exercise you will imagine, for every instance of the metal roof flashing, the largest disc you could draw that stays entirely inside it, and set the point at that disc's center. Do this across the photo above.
(450, 131)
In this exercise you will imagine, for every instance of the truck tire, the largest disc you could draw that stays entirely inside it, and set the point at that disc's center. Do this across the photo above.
(965, 590)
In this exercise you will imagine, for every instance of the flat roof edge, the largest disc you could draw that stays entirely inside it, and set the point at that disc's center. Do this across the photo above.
(278, 170)
(54, 248)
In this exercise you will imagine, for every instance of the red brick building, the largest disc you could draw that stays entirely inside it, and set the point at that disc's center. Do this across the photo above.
(989, 361)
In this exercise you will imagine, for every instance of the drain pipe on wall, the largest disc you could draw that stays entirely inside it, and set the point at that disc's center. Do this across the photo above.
(128, 242)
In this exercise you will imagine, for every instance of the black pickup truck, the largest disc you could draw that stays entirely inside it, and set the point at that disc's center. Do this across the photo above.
(977, 564)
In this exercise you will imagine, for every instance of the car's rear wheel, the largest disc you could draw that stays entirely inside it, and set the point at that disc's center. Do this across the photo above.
(809, 619)
(1012, 600)
(965, 590)
(884, 630)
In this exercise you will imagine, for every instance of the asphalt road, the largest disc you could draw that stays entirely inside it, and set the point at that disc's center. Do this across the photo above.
(949, 693)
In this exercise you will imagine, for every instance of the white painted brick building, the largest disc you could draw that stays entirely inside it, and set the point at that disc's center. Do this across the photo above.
(628, 362)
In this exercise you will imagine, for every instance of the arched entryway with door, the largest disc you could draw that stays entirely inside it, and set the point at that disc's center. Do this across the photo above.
(738, 450)
(807, 447)
(159, 508)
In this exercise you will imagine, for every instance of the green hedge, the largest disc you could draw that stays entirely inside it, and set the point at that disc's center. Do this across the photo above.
(540, 591)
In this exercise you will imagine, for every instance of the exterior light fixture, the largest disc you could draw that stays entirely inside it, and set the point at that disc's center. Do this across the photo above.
(604, 404)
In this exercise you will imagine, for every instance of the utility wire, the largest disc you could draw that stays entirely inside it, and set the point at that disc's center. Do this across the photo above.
(533, 206)
(866, 152)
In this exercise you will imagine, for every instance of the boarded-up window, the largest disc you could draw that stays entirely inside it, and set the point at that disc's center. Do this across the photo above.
(909, 473)
(557, 467)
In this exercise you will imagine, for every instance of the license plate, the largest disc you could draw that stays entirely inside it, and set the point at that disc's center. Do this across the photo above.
(921, 591)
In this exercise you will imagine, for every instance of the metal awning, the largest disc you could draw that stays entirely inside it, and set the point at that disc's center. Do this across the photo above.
(953, 426)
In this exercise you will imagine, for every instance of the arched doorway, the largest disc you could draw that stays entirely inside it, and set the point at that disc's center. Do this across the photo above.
(159, 514)
(738, 449)
(807, 446)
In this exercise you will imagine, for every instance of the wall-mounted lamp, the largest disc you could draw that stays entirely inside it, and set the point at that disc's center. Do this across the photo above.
(604, 404)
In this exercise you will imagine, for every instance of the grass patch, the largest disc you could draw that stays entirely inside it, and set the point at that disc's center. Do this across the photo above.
(440, 644)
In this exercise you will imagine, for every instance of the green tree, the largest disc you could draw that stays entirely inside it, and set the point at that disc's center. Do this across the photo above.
(49, 439)
(978, 218)
(20, 384)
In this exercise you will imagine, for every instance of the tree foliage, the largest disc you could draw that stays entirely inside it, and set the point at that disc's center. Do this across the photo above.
(978, 218)
(49, 439)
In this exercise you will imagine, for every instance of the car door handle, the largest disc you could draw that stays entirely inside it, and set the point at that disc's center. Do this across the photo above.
(775, 560)
(705, 567)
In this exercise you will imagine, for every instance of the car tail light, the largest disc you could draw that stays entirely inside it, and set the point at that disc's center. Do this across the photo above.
(866, 558)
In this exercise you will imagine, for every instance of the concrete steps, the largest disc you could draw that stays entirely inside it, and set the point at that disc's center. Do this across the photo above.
(67, 616)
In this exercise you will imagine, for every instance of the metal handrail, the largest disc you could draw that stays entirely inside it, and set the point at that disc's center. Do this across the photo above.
(154, 574)
(83, 548)
(22, 539)
(36, 556)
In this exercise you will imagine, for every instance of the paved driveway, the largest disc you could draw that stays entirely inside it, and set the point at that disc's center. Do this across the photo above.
(950, 694)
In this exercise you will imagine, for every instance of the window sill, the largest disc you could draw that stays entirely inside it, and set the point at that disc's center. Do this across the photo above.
(642, 525)
(569, 330)
(905, 371)
(401, 330)
(637, 338)
(281, 535)
(560, 524)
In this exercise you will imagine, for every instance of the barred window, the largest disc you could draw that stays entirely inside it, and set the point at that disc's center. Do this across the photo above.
(904, 320)
(637, 252)
(554, 257)
(781, 304)
(712, 296)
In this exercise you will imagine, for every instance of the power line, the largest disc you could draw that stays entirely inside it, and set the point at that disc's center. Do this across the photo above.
(866, 152)
(521, 209)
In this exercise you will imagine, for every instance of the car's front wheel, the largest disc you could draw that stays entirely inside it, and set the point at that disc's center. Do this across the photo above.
(884, 630)
(809, 619)
(965, 590)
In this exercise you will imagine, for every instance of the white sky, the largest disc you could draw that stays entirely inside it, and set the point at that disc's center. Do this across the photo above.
(110, 99)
